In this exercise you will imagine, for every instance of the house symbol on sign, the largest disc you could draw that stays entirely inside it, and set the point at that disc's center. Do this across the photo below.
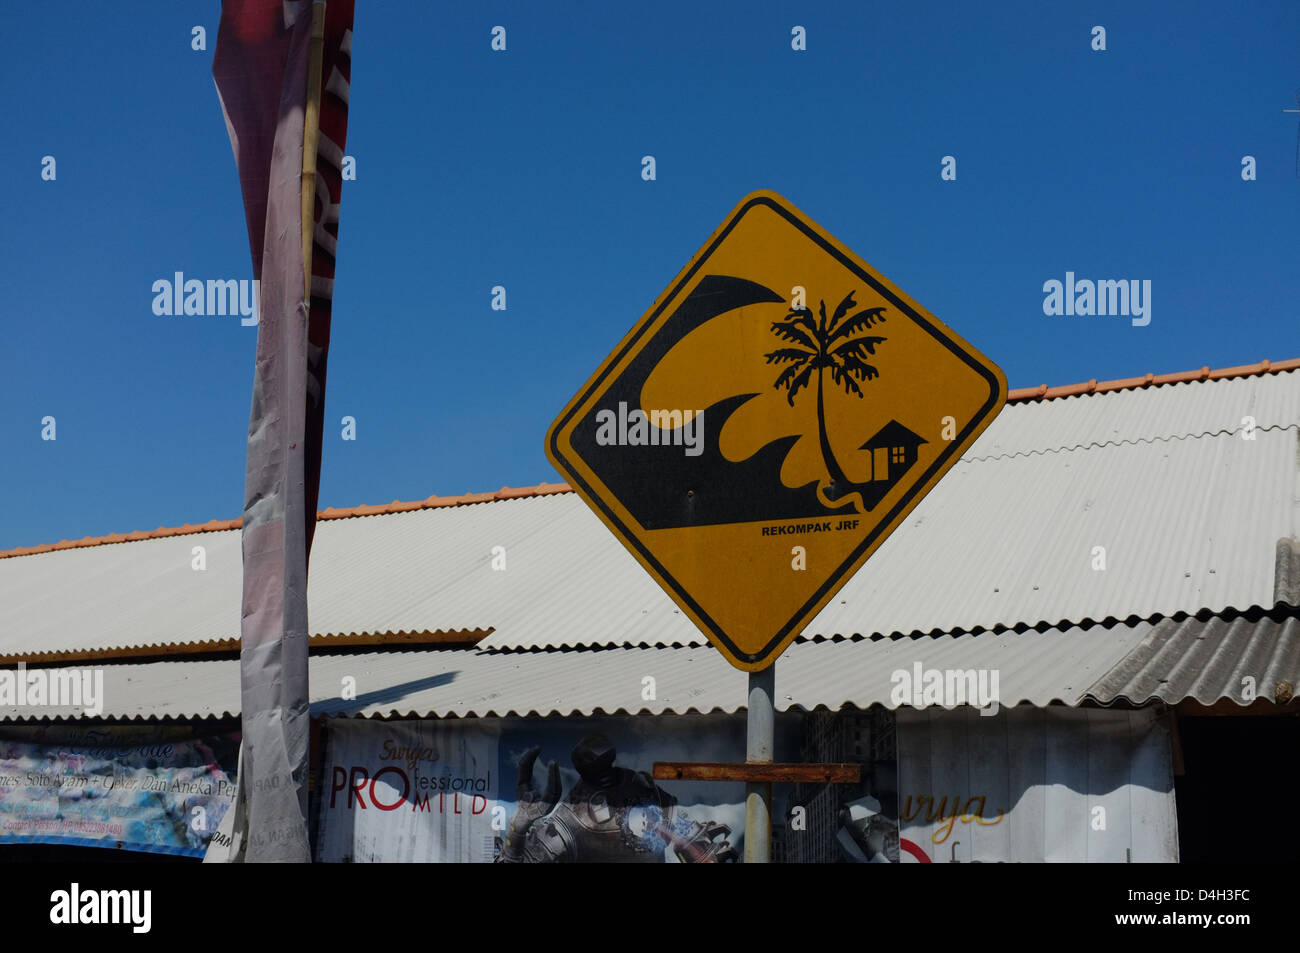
(893, 451)
(899, 452)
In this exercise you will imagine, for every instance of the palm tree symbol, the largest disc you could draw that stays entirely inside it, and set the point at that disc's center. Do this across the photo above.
(822, 345)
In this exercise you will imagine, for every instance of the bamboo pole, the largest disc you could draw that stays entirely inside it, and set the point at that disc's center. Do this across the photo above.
(310, 140)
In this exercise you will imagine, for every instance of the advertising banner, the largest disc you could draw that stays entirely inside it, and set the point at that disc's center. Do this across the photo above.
(151, 789)
(408, 791)
(1035, 784)
(532, 791)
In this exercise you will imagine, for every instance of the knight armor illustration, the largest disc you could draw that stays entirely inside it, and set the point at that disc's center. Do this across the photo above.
(612, 815)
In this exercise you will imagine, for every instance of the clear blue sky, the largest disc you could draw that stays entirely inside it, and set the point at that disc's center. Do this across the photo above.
(522, 169)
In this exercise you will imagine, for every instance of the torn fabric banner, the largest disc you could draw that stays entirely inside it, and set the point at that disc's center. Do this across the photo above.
(282, 71)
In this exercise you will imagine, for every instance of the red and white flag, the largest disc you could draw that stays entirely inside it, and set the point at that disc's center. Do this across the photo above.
(263, 67)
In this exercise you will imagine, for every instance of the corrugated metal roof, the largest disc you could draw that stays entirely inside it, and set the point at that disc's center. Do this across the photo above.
(1207, 660)
(139, 593)
(1038, 667)
(1188, 523)
(1149, 414)
(389, 573)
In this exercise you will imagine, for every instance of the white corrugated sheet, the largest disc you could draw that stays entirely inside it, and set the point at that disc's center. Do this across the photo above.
(125, 594)
(1185, 525)
(1189, 408)
(1241, 659)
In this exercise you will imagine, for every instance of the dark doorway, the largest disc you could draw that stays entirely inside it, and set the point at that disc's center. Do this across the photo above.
(1233, 765)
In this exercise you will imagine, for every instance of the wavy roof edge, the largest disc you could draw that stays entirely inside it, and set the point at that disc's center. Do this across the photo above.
(1018, 395)
(1278, 611)
(784, 706)
(1169, 662)
(459, 639)
(416, 714)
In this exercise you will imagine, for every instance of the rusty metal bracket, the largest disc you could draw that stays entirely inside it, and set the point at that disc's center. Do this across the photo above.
(757, 773)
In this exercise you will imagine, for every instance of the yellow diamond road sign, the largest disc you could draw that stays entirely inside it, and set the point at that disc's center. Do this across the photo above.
(768, 423)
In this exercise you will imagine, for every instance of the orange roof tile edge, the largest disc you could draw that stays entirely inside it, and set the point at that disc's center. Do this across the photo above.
(1041, 392)
(330, 513)
(158, 650)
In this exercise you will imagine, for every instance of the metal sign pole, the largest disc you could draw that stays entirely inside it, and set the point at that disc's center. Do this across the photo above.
(759, 770)
(759, 734)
